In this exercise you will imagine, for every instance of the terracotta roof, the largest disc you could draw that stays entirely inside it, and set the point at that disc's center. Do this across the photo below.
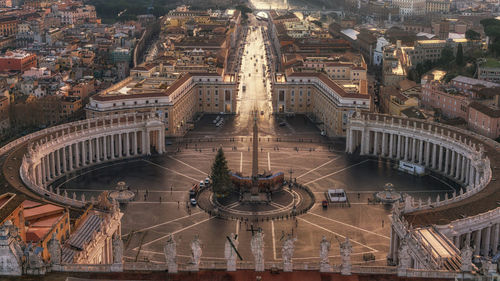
(489, 111)
(41, 211)
(330, 83)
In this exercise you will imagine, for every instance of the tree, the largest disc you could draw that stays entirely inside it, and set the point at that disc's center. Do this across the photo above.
(472, 35)
(460, 55)
(221, 180)
(446, 56)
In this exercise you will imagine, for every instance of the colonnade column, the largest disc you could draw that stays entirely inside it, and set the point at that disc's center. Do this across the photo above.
(447, 161)
(464, 169)
(427, 154)
(414, 151)
(42, 166)
(65, 167)
(91, 151)
(399, 147)
(391, 145)
(58, 163)
(458, 163)
(70, 157)
(452, 164)
(471, 176)
(98, 149)
(134, 142)
(384, 144)
(127, 144)
(421, 152)
(120, 145)
(406, 148)
(477, 242)
(47, 168)
(440, 164)
(84, 153)
(375, 143)
(112, 146)
(496, 230)
(77, 154)
(487, 237)
(105, 147)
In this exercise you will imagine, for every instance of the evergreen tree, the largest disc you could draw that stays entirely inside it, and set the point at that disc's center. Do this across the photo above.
(460, 55)
(221, 180)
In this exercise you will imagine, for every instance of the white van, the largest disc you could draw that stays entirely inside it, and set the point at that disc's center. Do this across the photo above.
(337, 195)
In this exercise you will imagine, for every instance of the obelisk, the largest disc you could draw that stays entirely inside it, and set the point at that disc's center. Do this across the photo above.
(255, 159)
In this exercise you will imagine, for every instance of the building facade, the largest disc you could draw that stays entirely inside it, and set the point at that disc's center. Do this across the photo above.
(177, 102)
(317, 95)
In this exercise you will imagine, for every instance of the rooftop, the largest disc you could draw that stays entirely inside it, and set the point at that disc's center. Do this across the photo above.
(490, 62)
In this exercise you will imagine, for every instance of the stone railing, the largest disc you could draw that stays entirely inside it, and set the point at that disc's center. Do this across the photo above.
(452, 138)
(74, 133)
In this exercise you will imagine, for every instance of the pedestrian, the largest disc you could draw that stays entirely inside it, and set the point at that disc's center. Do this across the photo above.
(144, 197)
(178, 204)
(160, 199)
(382, 223)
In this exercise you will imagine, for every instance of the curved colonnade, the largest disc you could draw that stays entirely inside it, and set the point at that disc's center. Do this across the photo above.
(86, 143)
(469, 217)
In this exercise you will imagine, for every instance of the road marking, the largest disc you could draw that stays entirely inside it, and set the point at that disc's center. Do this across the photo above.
(274, 242)
(349, 225)
(268, 162)
(163, 223)
(98, 168)
(443, 182)
(318, 167)
(241, 162)
(175, 232)
(341, 236)
(194, 168)
(173, 171)
(336, 172)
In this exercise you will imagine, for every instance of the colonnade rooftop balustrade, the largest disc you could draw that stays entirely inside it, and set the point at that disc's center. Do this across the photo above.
(485, 155)
(27, 154)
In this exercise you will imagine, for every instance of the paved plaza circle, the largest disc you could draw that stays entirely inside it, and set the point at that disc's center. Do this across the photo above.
(285, 203)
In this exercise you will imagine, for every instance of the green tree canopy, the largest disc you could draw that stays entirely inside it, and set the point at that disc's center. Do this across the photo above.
(221, 180)
(446, 56)
(460, 55)
(472, 35)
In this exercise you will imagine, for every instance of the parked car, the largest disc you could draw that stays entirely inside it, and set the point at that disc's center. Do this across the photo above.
(207, 181)
(193, 201)
(282, 124)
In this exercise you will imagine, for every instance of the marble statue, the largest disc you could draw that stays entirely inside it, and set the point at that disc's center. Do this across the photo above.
(196, 253)
(466, 255)
(170, 251)
(34, 263)
(345, 253)
(287, 253)
(404, 257)
(324, 252)
(54, 247)
(10, 253)
(230, 252)
(117, 249)
(257, 246)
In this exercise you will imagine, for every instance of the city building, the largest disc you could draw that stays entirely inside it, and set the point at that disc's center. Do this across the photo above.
(17, 61)
(424, 50)
(451, 102)
(410, 7)
(484, 119)
(177, 102)
(317, 95)
(489, 70)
